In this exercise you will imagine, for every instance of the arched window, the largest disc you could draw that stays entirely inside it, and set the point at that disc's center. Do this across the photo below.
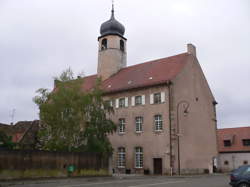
(104, 44)
(138, 157)
(121, 160)
(122, 46)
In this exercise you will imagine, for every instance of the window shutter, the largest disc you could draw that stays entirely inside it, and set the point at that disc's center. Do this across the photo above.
(126, 101)
(143, 99)
(151, 98)
(133, 101)
(162, 97)
(117, 103)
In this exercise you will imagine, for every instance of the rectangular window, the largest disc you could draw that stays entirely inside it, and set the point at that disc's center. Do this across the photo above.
(158, 123)
(157, 98)
(138, 100)
(227, 143)
(109, 103)
(121, 128)
(138, 124)
(121, 102)
(121, 160)
(246, 142)
(138, 157)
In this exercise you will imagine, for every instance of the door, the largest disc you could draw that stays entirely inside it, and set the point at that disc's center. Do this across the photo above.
(157, 166)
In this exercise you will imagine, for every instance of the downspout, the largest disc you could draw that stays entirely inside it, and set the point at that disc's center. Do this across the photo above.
(170, 126)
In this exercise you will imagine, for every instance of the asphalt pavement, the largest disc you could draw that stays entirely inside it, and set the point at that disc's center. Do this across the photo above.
(127, 181)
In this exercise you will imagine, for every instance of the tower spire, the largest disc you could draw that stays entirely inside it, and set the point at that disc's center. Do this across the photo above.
(113, 10)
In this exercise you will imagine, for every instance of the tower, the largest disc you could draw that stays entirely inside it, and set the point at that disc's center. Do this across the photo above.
(112, 55)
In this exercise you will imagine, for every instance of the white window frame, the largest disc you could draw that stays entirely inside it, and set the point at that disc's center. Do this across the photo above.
(138, 157)
(158, 94)
(121, 102)
(158, 122)
(138, 124)
(162, 97)
(143, 99)
(122, 125)
(140, 103)
(121, 157)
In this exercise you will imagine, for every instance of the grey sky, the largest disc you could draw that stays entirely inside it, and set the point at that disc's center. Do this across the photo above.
(41, 38)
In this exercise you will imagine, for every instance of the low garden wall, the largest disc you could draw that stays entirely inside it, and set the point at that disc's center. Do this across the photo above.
(15, 164)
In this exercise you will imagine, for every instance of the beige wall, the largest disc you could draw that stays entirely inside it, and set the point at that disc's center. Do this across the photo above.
(112, 59)
(197, 135)
(234, 160)
(155, 144)
(198, 143)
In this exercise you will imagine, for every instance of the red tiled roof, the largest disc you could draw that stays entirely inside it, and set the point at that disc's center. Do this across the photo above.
(141, 75)
(236, 135)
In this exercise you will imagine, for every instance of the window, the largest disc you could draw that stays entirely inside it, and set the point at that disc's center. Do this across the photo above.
(121, 160)
(226, 162)
(158, 123)
(157, 98)
(138, 124)
(138, 100)
(138, 157)
(227, 143)
(121, 102)
(245, 162)
(109, 103)
(122, 46)
(104, 44)
(246, 142)
(121, 126)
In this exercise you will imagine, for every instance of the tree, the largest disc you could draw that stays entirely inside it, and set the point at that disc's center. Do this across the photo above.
(73, 119)
(6, 141)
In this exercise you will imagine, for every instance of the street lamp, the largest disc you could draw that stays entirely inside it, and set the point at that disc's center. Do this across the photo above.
(185, 105)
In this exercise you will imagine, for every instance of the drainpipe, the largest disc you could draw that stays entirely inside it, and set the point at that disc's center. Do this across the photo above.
(170, 127)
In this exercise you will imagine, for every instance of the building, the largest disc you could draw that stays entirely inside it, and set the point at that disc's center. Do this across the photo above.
(23, 133)
(234, 148)
(164, 108)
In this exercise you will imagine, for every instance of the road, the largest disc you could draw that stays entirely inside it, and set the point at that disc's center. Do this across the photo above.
(143, 181)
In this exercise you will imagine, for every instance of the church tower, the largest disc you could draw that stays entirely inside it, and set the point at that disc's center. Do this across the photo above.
(112, 54)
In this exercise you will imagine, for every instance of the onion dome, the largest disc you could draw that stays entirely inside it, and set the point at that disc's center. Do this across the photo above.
(112, 26)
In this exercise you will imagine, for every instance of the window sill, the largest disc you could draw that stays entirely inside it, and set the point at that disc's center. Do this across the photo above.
(158, 131)
(138, 132)
(121, 133)
(121, 167)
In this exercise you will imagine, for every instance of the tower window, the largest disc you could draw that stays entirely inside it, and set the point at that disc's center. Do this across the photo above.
(122, 47)
(104, 44)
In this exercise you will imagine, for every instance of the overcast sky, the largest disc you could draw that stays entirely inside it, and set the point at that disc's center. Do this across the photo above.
(41, 38)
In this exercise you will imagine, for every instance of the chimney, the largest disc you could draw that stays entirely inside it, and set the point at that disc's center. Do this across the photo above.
(191, 49)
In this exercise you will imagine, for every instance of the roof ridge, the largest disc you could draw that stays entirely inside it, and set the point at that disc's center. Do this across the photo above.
(159, 59)
(234, 128)
(155, 60)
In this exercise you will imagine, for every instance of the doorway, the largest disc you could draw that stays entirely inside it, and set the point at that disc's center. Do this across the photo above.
(157, 166)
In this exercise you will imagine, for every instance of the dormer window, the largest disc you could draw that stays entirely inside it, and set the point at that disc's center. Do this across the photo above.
(227, 143)
(122, 46)
(104, 44)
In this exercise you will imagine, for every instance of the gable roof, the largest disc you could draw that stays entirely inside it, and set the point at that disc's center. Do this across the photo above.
(235, 135)
(141, 75)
